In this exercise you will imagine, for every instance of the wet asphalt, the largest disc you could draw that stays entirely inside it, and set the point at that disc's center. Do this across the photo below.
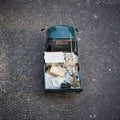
(21, 59)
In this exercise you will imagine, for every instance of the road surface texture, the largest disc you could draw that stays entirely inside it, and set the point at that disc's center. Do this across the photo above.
(21, 59)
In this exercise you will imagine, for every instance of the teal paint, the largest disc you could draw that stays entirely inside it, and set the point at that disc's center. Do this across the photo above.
(61, 32)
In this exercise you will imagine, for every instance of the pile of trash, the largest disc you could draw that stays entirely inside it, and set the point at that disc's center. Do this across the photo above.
(61, 70)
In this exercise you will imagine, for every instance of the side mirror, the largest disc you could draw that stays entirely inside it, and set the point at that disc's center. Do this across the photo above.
(76, 29)
(43, 29)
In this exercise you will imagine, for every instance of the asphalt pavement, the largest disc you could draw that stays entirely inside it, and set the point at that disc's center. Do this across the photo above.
(21, 59)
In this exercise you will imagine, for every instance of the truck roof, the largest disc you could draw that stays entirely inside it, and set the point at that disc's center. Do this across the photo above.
(60, 32)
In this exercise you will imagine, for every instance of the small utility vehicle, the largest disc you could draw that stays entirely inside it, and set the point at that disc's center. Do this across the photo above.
(61, 61)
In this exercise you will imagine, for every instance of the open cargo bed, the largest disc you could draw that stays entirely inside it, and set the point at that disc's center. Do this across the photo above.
(61, 72)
